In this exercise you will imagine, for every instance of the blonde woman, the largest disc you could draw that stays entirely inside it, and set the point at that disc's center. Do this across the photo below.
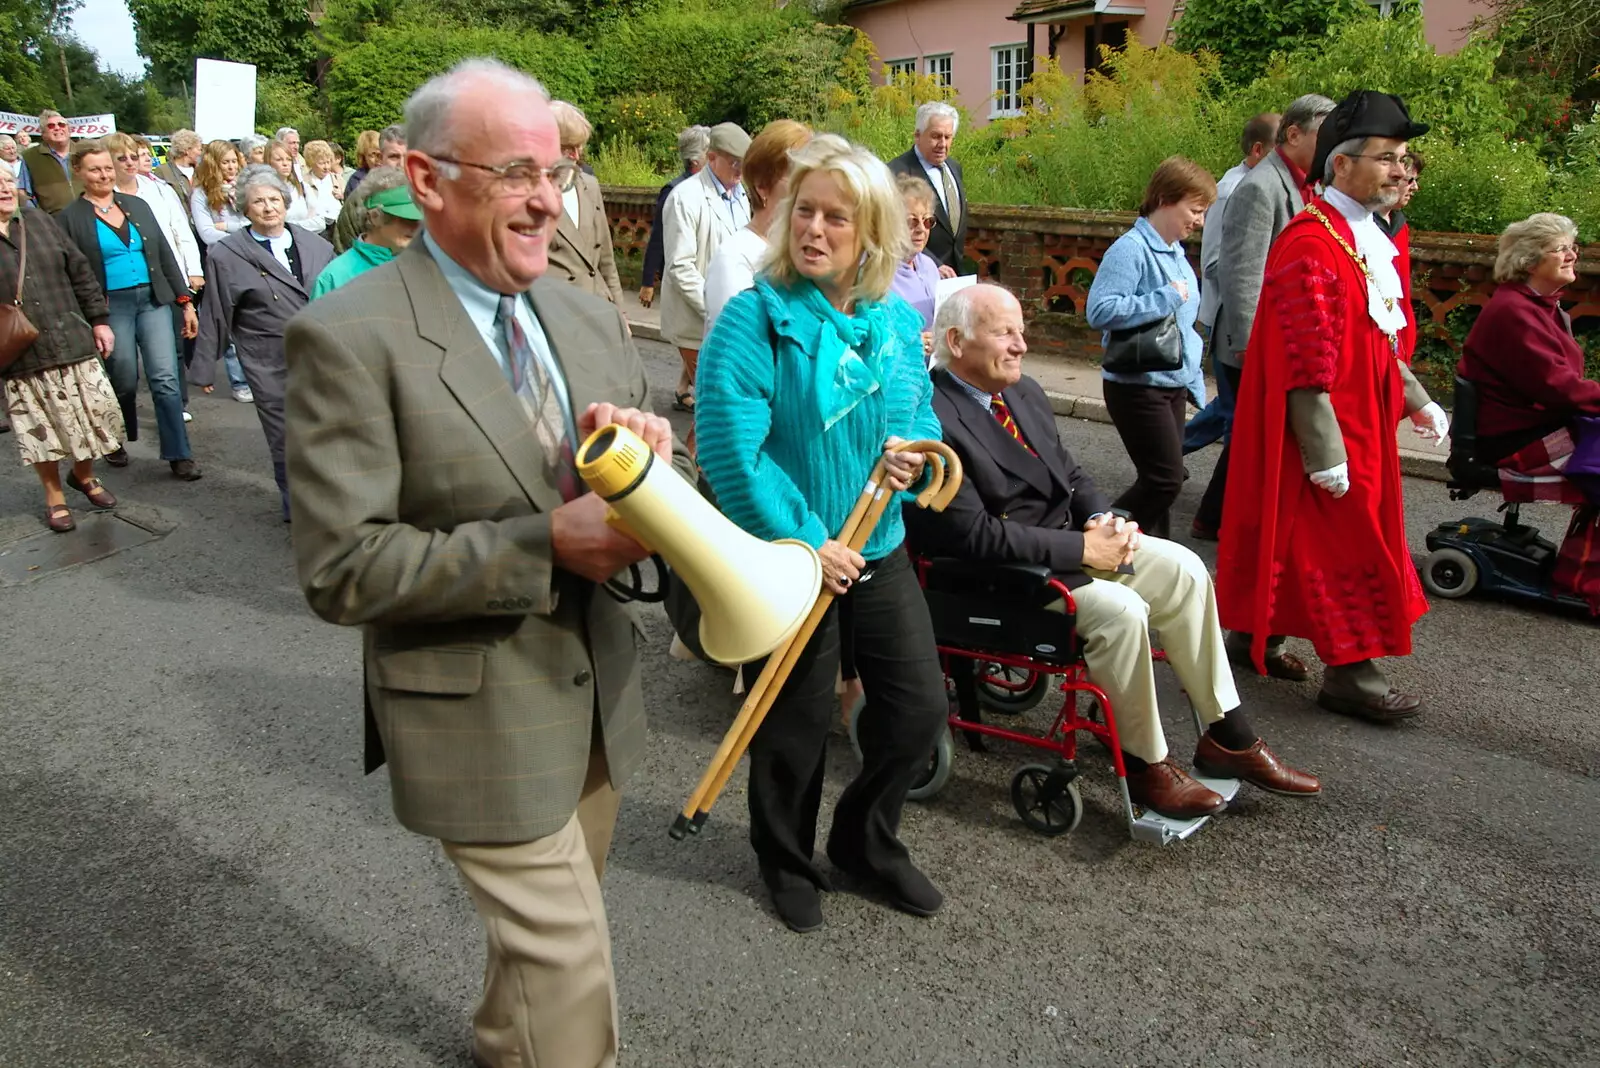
(211, 203)
(322, 185)
(281, 155)
(805, 381)
(366, 156)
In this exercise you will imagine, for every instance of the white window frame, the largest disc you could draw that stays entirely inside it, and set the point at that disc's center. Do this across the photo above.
(1016, 55)
(947, 75)
(894, 68)
(1385, 7)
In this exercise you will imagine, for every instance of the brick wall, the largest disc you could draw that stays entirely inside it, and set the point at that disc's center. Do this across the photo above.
(1048, 256)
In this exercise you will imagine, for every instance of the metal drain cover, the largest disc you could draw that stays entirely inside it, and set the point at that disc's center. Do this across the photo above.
(29, 550)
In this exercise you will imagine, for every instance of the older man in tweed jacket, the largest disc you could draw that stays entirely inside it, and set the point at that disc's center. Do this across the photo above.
(433, 408)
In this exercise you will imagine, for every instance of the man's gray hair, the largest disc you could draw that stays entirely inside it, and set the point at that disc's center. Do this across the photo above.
(693, 144)
(1304, 114)
(283, 131)
(1350, 148)
(937, 109)
(960, 312)
(250, 142)
(185, 141)
(429, 122)
(1524, 244)
(394, 134)
(253, 177)
(7, 139)
(49, 113)
(378, 180)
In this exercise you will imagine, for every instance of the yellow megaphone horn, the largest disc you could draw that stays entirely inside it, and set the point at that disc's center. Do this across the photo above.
(753, 594)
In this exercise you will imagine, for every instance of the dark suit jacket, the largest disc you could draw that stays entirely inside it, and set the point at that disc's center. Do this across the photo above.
(422, 506)
(1012, 507)
(946, 245)
(167, 280)
(655, 253)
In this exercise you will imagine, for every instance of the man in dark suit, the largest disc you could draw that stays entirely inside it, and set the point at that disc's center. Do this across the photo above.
(1024, 499)
(693, 144)
(434, 409)
(929, 159)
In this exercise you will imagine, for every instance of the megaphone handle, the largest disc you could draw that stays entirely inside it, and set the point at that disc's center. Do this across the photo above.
(620, 525)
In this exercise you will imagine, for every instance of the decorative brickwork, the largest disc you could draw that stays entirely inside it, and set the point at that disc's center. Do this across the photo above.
(1048, 256)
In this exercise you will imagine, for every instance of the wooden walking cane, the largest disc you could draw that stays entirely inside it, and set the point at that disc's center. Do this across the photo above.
(944, 479)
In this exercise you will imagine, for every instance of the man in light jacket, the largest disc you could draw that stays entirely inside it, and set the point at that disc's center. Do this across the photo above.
(697, 216)
(1258, 209)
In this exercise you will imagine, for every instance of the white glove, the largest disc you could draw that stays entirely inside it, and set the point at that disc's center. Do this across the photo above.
(1431, 422)
(1336, 480)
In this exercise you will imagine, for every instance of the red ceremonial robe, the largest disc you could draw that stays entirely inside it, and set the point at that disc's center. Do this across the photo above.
(1292, 558)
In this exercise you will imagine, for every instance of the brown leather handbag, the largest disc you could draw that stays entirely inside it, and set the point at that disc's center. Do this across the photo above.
(17, 333)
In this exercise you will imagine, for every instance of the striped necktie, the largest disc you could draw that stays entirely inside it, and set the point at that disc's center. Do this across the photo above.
(1002, 415)
(952, 197)
(530, 380)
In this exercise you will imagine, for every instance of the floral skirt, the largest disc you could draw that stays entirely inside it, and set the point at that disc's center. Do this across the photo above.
(64, 413)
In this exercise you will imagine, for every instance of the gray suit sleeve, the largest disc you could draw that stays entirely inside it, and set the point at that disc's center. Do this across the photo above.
(357, 561)
(1416, 394)
(1247, 232)
(1316, 430)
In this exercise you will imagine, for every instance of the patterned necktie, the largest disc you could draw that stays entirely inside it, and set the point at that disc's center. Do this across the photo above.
(531, 382)
(952, 198)
(1002, 415)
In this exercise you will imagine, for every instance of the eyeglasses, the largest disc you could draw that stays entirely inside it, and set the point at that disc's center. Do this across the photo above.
(55, 126)
(1565, 250)
(922, 222)
(520, 179)
(1388, 159)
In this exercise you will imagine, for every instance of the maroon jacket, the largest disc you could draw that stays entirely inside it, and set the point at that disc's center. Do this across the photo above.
(1528, 369)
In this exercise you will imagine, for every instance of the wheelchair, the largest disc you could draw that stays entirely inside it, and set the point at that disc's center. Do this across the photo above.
(1001, 648)
(1480, 555)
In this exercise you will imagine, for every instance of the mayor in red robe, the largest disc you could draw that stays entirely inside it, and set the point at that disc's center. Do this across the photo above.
(1313, 541)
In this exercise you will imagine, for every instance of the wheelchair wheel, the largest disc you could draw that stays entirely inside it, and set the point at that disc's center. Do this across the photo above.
(1449, 573)
(941, 761)
(1046, 799)
(1008, 690)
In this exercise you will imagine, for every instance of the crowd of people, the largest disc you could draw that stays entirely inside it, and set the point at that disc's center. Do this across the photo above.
(425, 378)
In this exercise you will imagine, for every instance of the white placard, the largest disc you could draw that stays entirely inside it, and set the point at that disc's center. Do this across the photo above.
(224, 99)
(82, 126)
(947, 286)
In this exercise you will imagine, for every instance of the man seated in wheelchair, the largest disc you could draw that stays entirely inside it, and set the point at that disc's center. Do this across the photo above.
(1538, 416)
(1025, 500)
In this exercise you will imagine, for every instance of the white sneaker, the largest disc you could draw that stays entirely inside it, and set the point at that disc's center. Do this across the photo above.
(187, 418)
(244, 396)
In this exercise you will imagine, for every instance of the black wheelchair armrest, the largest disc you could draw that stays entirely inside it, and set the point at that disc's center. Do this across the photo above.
(953, 575)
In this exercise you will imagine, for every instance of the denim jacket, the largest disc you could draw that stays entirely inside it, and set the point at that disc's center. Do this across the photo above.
(1133, 287)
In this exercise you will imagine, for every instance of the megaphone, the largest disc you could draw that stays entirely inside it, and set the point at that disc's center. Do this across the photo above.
(753, 594)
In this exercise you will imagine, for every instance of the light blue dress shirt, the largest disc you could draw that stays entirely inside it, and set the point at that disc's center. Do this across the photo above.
(482, 306)
(733, 196)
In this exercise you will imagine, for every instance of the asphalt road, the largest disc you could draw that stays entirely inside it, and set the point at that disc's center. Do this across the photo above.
(193, 870)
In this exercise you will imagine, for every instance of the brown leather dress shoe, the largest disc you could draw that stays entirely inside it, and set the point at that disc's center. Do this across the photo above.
(118, 458)
(59, 518)
(1389, 708)
(98, 495)
(1285, 666)
(1258, 766)
(1168, 789)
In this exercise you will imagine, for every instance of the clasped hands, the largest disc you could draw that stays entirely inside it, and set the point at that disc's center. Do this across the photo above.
(581, 541)
(1109, 541)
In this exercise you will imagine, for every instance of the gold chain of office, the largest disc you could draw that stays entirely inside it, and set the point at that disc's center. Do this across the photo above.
(1388, 302)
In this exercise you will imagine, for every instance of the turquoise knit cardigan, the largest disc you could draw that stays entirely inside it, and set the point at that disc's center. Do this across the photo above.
(761, 444)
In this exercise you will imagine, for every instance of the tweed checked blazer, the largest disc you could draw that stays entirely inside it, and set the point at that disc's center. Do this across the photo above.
(422, 514)
(581, 254)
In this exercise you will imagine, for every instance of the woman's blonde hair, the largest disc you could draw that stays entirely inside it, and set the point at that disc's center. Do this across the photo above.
(571, 124)
(880, 217)
(1523, 244)
(120, 143)
(366, 145)
(208, 173)
(276, 147)
(318, 150)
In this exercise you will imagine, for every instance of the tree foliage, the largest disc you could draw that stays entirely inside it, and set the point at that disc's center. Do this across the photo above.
(275, 35)
(1245, 33)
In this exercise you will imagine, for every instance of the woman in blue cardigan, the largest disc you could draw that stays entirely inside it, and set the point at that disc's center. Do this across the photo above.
(1145, 277)
(804, 382)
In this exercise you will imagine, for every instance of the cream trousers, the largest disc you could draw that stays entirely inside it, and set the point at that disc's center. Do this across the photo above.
(1170, 592)
(549, 995)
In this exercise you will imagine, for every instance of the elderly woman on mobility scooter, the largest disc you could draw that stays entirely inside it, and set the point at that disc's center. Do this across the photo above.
(1025, 500)
(803, 383)
(1536, 410)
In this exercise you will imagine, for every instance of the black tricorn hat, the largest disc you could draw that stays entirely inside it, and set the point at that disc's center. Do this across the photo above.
(1363, 113)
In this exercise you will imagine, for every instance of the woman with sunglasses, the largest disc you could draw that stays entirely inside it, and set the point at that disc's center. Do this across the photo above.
(917, 279)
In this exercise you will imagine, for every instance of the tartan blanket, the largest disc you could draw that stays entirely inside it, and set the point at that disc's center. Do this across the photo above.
(1537, 472)
(1578, 561)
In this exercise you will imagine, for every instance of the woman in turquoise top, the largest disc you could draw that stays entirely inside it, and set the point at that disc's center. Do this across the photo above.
(392, 220)
(804, 382)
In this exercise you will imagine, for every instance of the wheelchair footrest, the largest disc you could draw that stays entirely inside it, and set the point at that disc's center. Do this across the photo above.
(1157, 829)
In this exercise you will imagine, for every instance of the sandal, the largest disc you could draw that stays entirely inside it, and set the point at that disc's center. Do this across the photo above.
(58, 517)
(98, 495)
(683, 402)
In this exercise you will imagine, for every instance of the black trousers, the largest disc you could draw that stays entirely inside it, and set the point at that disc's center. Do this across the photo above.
(892, 640)
(1150, 419)
(1209, 514)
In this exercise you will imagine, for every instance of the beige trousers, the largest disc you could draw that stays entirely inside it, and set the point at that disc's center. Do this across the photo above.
(549, 996)
(1170, 591)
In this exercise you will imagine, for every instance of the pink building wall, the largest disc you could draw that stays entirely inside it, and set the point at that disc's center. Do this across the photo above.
(1447, 22)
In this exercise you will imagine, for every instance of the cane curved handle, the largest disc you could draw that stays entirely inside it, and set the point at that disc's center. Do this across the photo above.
(944, 481)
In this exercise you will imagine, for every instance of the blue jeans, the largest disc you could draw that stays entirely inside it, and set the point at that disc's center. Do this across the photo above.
(1211, 422)
(144, 328)
(230, 363)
